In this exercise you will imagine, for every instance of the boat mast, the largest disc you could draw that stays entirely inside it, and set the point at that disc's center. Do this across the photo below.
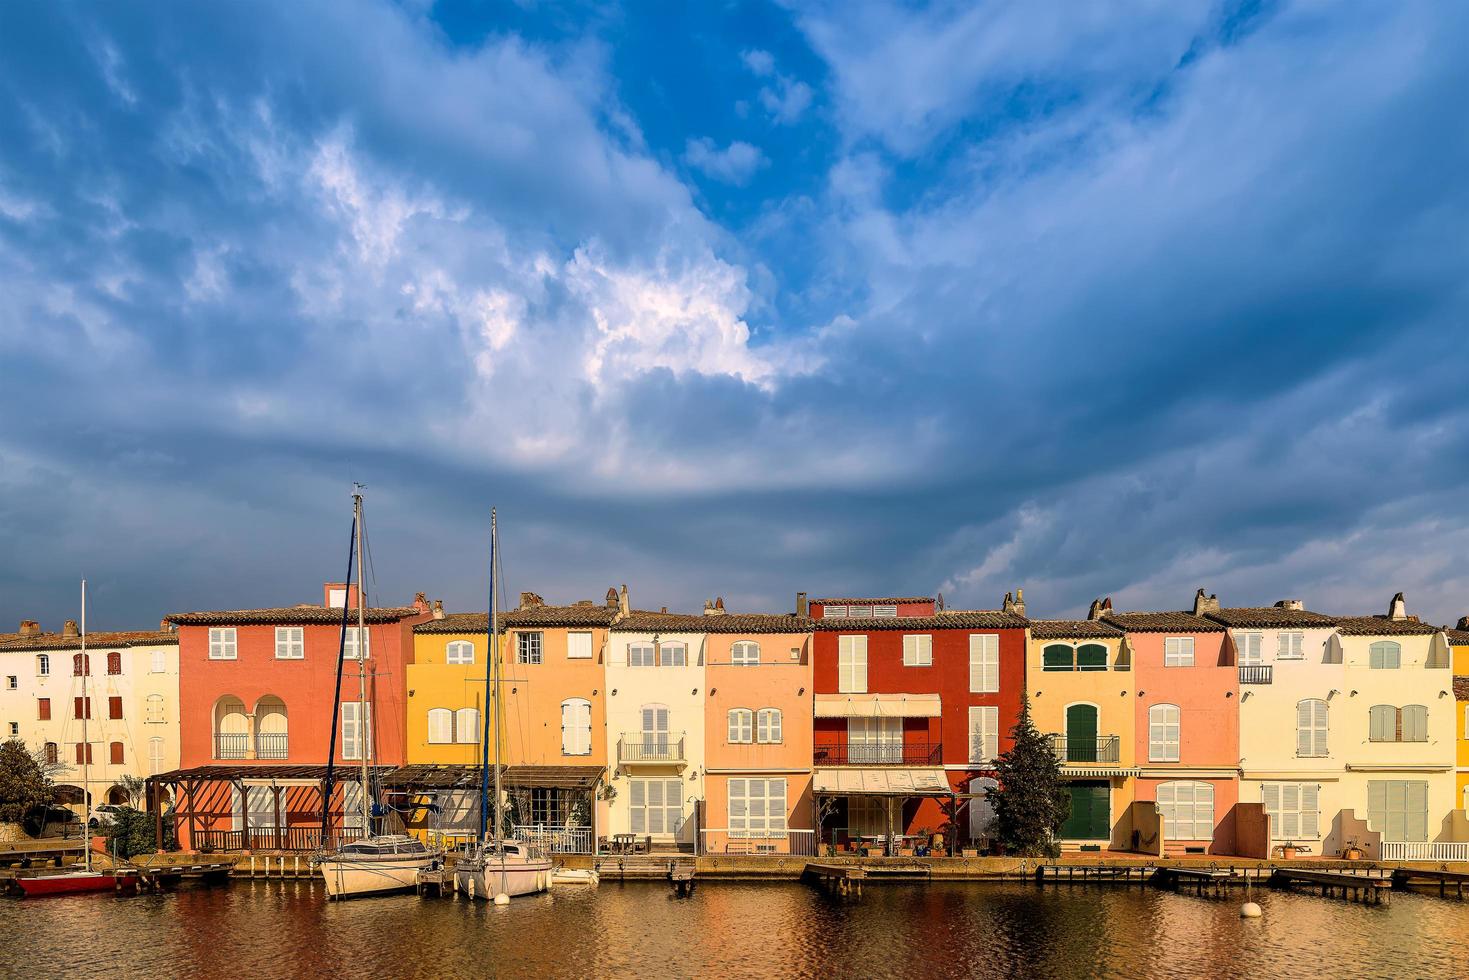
(492, 690)
(86, 745)
(362, 721)
(495, 660)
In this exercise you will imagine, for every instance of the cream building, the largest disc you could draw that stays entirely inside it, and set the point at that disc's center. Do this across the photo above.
(131, 705)
(656, 691)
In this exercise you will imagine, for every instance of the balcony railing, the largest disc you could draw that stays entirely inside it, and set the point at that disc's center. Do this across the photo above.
(272, 745)
(1255, 674)
(885, 754)
(231, 745)
(555, 839)
(650, 747)
(1104, 748)
(1425, 851)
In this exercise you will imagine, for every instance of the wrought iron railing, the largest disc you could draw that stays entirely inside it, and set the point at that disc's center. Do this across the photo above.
(924, 753)
(553, 839)
(650, 747)
(231, 745)
(1103, 748)
(1256, 674)
(272, 745)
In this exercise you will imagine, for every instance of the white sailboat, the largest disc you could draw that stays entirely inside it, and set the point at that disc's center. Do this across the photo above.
(492, 867)
(378, 862)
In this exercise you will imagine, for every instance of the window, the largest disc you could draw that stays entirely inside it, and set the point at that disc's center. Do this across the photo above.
(1384, 655)
(741, 726)
(1389, 724)
(859, 612)
(1398, 809)
(745, 653)
(459, 652)
(14, 729)
(640, 655)
(768, 726)
(159, 662)
(984, 663)
(1178, 651)
(43, 665)
(548, 806)
(984, 734)
(114, 708)
(1187, 809)
(1091, 656)
(1414, 723)
(154, 713)
(466, 726)
(757, 808)
(1163, 725)
(155, 756)
(1311, 729)
(918, 650)
(53, 754)
(440, 726)
(1057, 656)
(576, 726)
(355, 734)
(114, 663)
(80, 664)
(12, 681)
(81, 707)
(657, 805)
(834, 611)
(222, 643)
(528, 648)
(884, 612)
(655, 728)
(578, 646)
(672, 655)
(43, 709)
(1290, 646)
(852, 664)
(290, 643)
(350, 651)
(1249, 645)
(115, 753)
(1293, 810)
(866, 815)
(84, 753)
(873, 741)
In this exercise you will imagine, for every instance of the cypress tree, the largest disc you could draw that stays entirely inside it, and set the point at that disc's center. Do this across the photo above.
(1031, 803)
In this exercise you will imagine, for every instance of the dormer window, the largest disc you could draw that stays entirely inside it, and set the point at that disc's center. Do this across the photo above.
(884, 612)
(859, 612)
(836, 611)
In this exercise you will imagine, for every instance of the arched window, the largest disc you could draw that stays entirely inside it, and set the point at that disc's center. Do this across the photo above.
(1384, 655)
(767, 729)
(1083, 744)
(52, 755)
(114, 663)
(1382, 723)
(1415, 723)
(459, 652)
(1311, 729)
(576, 727)
(440, 726)
(1057, 656)
(80, 664)
(43, 665)
(271, 731)
(745, 652)
(672, 655)
(231, 728)
(1163, 730)
(466, 725)
(154, 715)
(1187, 809)
(741, 725)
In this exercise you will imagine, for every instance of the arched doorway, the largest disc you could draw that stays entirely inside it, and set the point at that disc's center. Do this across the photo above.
(231, 728)
(270, 728)
(118, 796)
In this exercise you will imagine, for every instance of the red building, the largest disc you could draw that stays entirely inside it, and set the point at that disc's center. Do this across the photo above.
(256, 689)
(912, 705)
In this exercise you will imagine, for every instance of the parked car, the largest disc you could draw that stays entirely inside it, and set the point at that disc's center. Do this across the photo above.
(52, 821)
(103, 816)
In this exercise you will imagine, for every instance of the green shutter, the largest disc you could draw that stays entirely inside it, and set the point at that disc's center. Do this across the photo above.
(1091, 656)
(1057, 656)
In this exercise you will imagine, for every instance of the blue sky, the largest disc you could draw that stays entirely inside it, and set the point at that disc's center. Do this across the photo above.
(845, 298)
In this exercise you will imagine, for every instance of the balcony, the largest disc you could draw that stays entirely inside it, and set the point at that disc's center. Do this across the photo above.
(231, 745)
(1104, 748)
(272, 745)
(1255, 674)
(650, 748)
(883, 754)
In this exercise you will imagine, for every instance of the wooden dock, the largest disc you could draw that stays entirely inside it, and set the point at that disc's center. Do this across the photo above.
(1211, 881)
(1073, 874)
(438, 882)
(1448, 882)
(31, 857)
(841, 879)
(1374, 888)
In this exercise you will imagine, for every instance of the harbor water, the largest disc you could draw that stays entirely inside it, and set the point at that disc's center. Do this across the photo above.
(282, 929)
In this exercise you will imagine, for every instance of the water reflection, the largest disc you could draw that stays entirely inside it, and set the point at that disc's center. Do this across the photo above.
(733, 930)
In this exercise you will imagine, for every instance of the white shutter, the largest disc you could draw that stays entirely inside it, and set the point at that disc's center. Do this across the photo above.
(579, 646)
(1290, 811)
(639, 798)
(155, 755)
(1305, 718)
(739, 809)
(734, 724)
(568, 728)
(852, 664)
(1321, 727)
(1270, 797)
(775, 794)
(584, 728)
(1415, 805)
(984, 663)
(1310, 815)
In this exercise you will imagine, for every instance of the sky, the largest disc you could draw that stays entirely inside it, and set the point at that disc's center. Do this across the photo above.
(878, 298)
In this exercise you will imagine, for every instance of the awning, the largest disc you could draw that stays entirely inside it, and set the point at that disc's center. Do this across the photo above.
(881, 782)
(1097, 772)
(421, 777)
(878, 706)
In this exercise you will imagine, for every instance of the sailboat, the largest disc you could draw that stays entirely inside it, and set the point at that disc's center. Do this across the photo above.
(493, 867)
(376, 863)
(85, 880)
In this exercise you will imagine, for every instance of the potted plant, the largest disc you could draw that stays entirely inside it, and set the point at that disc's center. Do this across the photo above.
(1352, 851)
(1288, 850)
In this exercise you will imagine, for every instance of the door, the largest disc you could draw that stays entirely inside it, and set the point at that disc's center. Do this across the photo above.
(981, 810)
(1081, 733)
(655, 730)
(1091, 812)
(874, 741)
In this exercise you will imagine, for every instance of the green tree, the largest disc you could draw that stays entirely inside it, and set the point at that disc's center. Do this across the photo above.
(1030, 804)
(23, 785)
(132, 833)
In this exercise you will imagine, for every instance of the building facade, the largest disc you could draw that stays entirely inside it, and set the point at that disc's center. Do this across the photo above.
(1459, 643)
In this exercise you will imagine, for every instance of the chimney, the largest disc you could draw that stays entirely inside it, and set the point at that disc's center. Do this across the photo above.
(624, 607)
(438, 609)
(1095, 612)
(1398, 608)
(337, 595)
(1464, 622)
(715, 608)
(1107, 605)
(529, 600)
(29, 627)
(1205, 604)
(612, 598)
(1015, 604)
(1294, 605)
(420, 602)
(164, 626)
(664, 610)
(803, 608)
(69, 631)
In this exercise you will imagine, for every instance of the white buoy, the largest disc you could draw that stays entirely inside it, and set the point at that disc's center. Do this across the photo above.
(1250, 910)
(502, 899)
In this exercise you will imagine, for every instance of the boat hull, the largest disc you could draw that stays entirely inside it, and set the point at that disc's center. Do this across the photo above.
(354, 876)
(73, 883)
(516, 876)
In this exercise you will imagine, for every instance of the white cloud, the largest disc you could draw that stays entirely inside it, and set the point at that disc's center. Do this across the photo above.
(759, 62)
(735, 164)
(785, 98)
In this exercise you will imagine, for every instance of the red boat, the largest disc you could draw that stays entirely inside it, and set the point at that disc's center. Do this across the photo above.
(72, 882)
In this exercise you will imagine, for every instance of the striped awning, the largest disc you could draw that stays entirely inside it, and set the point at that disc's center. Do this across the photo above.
(1097, 772)
(851, 781)
(878, 706)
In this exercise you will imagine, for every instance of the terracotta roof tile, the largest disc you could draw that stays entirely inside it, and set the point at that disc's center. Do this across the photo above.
(1163, 622)
(547, 616)
(959, 619)
(1073, 629)
(1457, 638)
(655, 622)
(1461, 688)
(1382, 626)
(879, 601)
(289, 615)
(95, 641)
(1270, 617)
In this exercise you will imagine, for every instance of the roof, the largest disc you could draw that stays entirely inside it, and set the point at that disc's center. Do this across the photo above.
(291, 615)
(1073, 629)
(95, 641)
(652, 622)
(1270, 617)
(1461, 688)
(578, 614)
(879, 601)
(1382, 626)
(968, 619)
(1457, 638)
(1163, 622)
(467, 777)
(346, 772)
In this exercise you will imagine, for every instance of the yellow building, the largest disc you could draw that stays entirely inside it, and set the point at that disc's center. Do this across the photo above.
(1080, 683)
(1459, 644)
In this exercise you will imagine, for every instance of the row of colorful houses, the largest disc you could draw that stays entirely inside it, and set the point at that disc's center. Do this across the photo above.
(844, 723)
